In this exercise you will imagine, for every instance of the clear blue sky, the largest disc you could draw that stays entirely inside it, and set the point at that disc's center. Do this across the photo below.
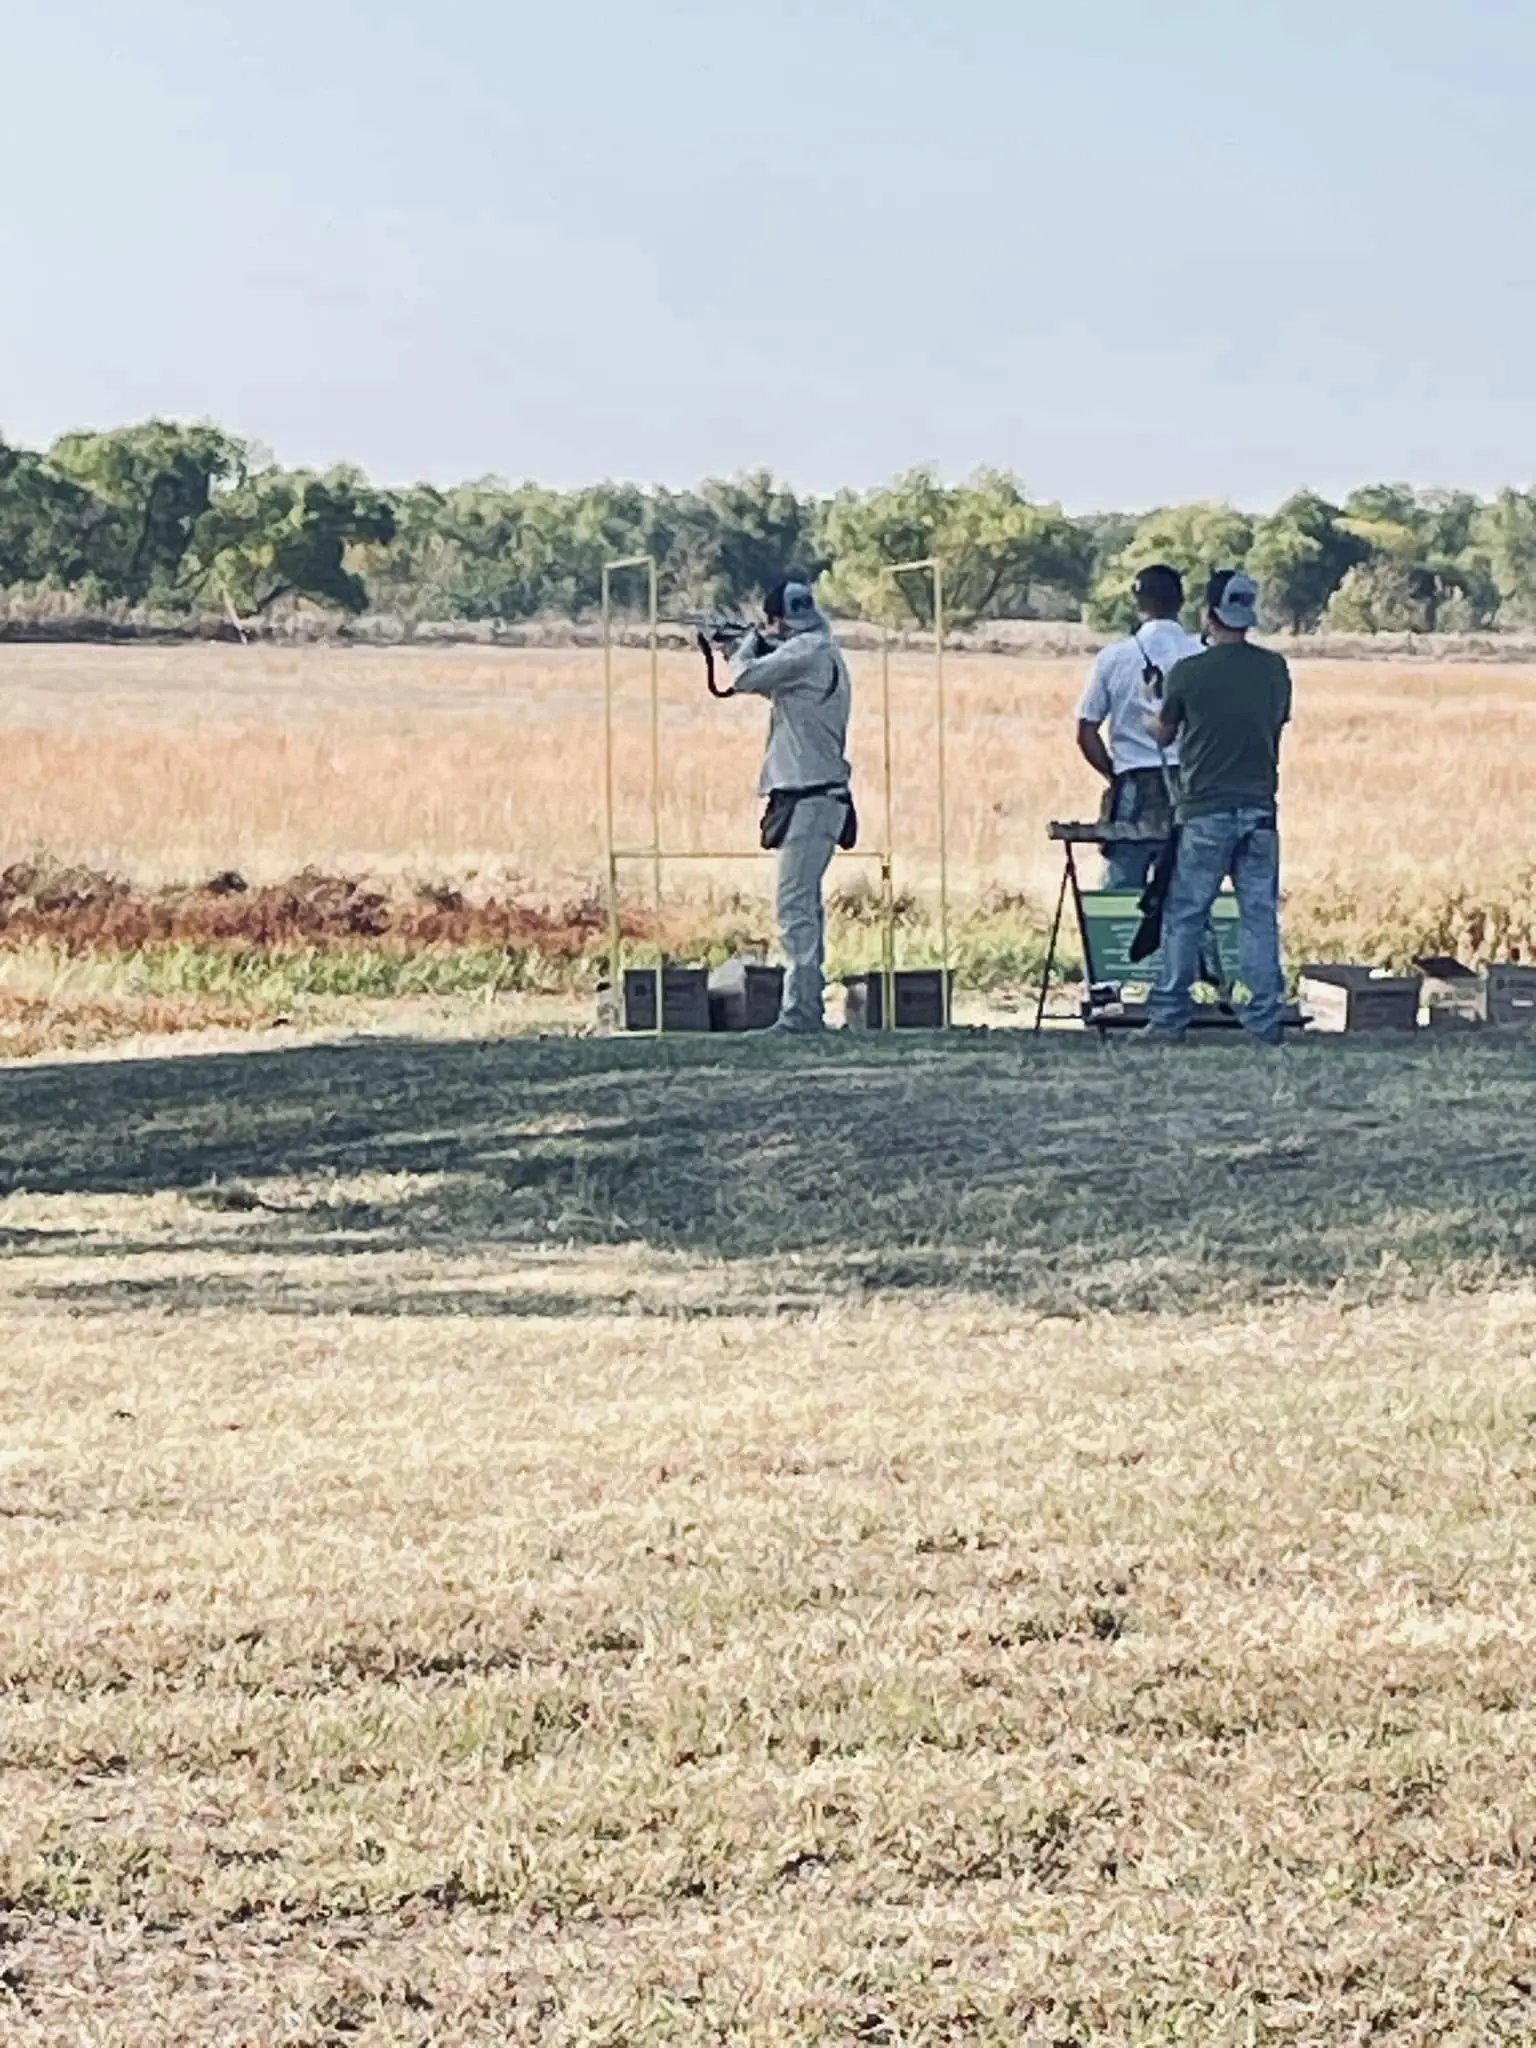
(1135, 251)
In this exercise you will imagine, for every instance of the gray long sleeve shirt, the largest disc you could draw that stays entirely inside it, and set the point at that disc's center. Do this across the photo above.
(806, 682)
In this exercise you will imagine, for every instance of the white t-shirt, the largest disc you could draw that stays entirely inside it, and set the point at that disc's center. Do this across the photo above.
(1117, 691)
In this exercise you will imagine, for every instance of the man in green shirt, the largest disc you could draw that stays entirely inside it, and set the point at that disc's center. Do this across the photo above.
(1227, 709)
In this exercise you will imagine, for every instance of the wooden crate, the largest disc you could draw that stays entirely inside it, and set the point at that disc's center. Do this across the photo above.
(921, 999)
(684, 998)
(1454, 995)
(745, 995)
(1509, 993)
(1344, 996)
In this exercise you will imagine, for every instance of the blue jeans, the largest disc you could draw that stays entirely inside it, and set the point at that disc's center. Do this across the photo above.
(1128, 864)
(1245, 845)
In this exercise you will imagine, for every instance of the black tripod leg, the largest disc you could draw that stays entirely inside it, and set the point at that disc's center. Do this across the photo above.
(1050, 951)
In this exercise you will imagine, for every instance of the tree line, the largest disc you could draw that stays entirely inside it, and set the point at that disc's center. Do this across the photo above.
(187, 520)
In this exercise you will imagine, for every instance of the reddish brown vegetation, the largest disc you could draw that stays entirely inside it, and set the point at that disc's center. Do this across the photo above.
(80, 910)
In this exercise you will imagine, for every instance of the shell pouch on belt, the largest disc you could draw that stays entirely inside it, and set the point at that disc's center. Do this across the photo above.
(779, 815)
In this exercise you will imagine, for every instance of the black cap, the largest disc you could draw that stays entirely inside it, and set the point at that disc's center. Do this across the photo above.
(1161, 589)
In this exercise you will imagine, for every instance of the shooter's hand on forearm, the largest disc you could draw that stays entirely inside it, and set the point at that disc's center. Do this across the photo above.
(763, 665)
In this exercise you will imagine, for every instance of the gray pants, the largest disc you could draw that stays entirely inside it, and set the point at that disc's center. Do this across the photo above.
(803, 862)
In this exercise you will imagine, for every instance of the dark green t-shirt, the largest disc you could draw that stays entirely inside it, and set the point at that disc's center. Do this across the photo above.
(1230, 704)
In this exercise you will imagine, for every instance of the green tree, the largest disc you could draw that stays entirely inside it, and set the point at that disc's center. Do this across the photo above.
(1384, 595)
(1424, 567)
(1194, 539)
(1506, 534)
(286, 533)
(1109, 535)
(484, 550)
(1300, 555)
(45, 521)
(1468, 595)
(151, 485)
(998, 548)
(407, 575)
(490, 550)
(728, 542)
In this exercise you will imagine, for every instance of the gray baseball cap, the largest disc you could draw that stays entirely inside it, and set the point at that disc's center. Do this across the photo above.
(795, 603)
(1232, 596)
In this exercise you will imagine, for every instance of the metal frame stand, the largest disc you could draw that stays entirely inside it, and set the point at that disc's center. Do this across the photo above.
(1069, 882)
(658, 857)
(653, 852)
(1069, 836)
(932, 566)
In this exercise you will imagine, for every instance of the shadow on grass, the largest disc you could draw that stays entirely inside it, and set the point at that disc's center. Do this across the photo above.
(1058, 1173)
(205, 1293)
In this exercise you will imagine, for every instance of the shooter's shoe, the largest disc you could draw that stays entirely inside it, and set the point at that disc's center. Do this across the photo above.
(1158, 1034)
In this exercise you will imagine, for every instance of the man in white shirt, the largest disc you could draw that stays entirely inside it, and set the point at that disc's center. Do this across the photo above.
(1122, 693)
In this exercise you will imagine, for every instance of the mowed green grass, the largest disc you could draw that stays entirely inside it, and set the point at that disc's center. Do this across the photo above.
(989, 1540)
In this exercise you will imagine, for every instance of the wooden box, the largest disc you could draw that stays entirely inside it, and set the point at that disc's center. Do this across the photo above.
(684, 999)
(921, 999)
(1453, 994)
(1342, 996)
(1509, 993)
(745, 995)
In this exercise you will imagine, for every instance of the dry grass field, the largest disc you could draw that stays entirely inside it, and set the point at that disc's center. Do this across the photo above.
(568, 1541)
(1407, 785)
(585, 1543)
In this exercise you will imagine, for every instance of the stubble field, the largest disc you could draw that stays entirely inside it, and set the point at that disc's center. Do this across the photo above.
(581, 1542)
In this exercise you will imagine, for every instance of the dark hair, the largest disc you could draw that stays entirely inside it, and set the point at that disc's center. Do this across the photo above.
(773, 603)
(1216, 589)
(1161, 590)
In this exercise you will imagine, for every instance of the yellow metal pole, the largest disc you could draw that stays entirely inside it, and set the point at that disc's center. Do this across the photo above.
(615, 929)
(887, 865)
(931, 565)
(938, 667)
(661, 956)
(615, 936)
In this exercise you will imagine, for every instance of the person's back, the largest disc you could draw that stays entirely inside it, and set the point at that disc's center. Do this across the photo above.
(1231, 704)
(1112, 734)
(1228, 708)
(811, 697)
(1117, 692)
